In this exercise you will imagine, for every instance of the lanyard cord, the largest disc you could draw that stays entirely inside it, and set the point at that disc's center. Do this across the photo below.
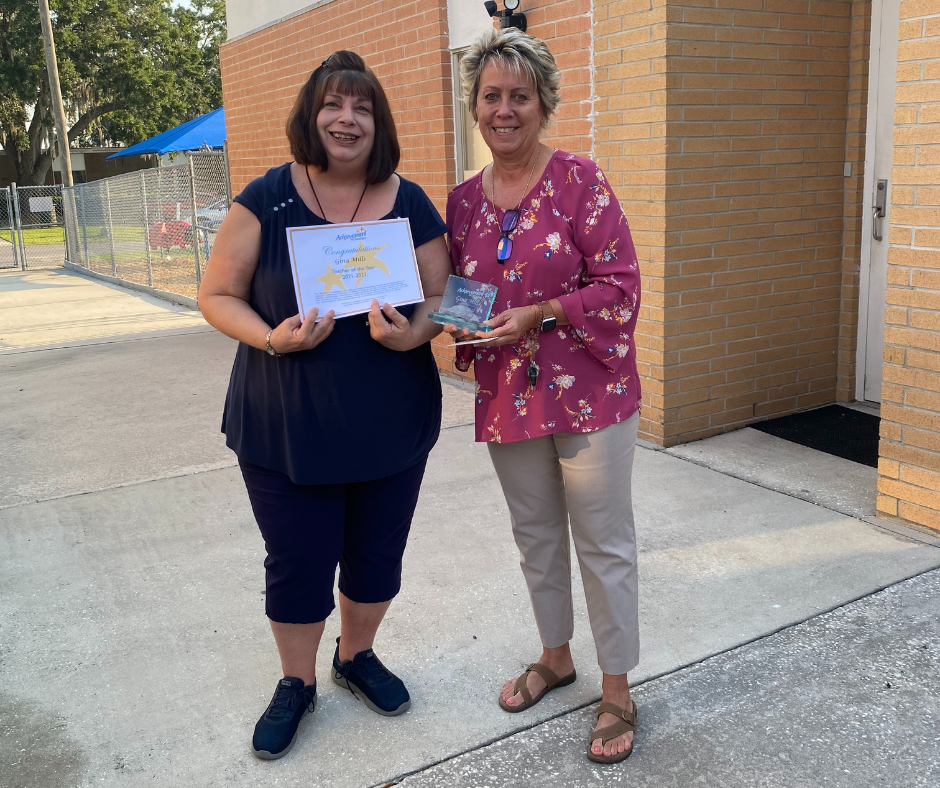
(322, 213)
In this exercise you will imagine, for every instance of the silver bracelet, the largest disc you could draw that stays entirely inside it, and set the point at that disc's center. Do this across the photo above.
(267, 345)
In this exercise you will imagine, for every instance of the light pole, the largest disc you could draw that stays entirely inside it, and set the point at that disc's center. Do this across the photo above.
(58, 111)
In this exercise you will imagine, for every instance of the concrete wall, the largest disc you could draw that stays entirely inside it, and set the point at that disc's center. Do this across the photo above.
(467, 20)
(245, 16)
(909, 486)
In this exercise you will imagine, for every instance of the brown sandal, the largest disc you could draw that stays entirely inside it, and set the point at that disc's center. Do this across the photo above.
(551, 682)
(625, 724)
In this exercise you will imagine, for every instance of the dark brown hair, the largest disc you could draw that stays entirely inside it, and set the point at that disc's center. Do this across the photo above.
(345, 73)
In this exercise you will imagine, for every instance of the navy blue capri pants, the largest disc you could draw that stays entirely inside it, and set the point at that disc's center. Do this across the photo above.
(310, 528)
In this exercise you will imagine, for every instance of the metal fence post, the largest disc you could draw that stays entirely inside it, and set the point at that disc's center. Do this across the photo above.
(195, 220)
(84, 229)
(18, 226)
(107, 199)
(65, 220)
(143, 194)
(16, 251)
(227, 173)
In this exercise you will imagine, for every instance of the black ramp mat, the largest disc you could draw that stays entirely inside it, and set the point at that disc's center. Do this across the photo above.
(836, 430)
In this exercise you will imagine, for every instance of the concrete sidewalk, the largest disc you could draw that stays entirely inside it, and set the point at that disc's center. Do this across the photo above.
(53, 307)
(133, 645)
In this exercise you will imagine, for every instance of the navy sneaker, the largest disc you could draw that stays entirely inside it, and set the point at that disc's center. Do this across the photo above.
(369, 680)
(277, 728)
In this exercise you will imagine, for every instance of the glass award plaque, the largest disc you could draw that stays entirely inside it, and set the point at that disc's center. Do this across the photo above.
(466, 304)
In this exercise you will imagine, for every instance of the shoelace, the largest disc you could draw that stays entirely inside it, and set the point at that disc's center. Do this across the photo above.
(371, 669)
(283, 703)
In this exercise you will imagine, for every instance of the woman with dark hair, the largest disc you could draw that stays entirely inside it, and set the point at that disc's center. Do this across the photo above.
(308, 399)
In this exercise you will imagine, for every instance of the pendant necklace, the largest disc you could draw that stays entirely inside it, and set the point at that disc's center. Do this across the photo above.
(527, 183)
(310, 181)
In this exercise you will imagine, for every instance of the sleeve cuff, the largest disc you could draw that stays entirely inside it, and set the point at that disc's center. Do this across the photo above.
(574, 308)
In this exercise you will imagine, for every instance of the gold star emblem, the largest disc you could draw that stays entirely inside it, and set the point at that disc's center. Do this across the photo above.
(364, 260)
(331, 279)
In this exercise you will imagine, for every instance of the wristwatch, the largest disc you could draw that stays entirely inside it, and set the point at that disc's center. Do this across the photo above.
(267, 345)
(548, 323)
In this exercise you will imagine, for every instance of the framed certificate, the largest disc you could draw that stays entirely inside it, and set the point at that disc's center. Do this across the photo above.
(344, 266)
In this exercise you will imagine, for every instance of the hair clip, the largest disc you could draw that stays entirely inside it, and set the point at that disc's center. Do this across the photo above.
(326, 62)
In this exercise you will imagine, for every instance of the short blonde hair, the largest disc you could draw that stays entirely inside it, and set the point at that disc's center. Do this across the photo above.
(522, 53)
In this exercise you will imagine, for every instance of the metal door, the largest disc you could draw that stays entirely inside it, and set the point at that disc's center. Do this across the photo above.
(40, 226)
(9, 255)
(876, 219)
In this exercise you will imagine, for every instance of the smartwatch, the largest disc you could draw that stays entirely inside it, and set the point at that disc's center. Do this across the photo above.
(548, 323)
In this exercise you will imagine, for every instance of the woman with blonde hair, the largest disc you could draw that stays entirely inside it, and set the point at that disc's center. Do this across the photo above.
(558, 394)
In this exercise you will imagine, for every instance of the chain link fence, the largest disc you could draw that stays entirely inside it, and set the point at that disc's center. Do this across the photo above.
(152, 227)
(38, 223)
(9, 242)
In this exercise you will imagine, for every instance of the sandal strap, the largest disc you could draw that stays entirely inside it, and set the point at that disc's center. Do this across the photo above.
(521, 685)
(609, 732)
(521, 688)
(551, 678)
(627, 718)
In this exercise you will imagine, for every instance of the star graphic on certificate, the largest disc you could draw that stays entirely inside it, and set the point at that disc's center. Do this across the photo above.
(364, 260)
(331, 279)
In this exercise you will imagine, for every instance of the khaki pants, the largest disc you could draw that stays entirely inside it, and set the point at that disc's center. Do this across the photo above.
(584, 478)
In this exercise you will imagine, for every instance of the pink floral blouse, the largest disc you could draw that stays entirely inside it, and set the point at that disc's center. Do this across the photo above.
(572, 243)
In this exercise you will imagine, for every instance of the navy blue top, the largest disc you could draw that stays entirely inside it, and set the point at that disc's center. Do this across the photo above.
(350, 409)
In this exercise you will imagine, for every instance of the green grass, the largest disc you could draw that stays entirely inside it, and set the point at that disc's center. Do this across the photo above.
(38, 235)
(56, 235)
(121, 233)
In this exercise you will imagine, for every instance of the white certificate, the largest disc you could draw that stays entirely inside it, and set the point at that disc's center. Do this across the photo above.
(345, 266)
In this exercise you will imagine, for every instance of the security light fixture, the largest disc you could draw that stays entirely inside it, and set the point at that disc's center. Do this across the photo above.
(509, 17)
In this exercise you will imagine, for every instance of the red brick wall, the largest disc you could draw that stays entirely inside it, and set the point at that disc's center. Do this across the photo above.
(404, 43)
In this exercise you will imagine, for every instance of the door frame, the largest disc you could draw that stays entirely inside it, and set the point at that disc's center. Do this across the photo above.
(868, 188)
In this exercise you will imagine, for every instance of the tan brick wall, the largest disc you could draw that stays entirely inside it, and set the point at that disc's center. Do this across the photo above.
(855, 135)
(909, 483)
(630, 146)
(754, 210)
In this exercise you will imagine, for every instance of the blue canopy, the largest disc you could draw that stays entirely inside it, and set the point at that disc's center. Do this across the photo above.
(208, 129)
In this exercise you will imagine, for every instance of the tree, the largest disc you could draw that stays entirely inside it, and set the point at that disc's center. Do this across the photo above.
(129, 69)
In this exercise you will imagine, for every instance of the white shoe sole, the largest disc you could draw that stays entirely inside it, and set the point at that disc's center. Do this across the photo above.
(264, 755)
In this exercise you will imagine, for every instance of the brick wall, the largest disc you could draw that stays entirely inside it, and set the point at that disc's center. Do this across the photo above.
(565, 26)
(630, 146)
(407, 46)
(754, 223)
(909, 484)
(404, 43)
